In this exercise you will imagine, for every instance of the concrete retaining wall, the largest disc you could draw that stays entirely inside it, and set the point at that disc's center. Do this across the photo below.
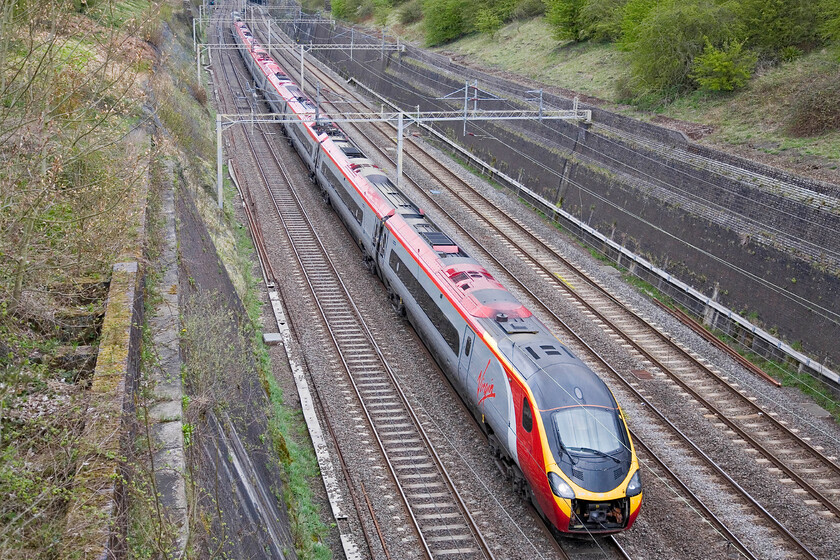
(96, 520)
(680, 216)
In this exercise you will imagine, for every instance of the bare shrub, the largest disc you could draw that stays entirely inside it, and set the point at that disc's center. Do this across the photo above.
(215, 350)
(816, 108)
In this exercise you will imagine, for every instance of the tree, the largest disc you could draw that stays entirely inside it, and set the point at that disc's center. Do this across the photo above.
(58, 107)
(564, 18)
(446, 20)
(770, 25)
(671, 36)
(830, 16)
(600, 20)
(633, 14)
(488, 21)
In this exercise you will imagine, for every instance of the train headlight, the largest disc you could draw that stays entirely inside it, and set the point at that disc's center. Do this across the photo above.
(635, 486)
(560, 487)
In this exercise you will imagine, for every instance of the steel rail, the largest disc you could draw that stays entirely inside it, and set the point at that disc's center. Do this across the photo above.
(479, 539)
(710, 515)
(259, 241)
(688, 321)
(779, 526)
(739, 489)
(369, 416)
(827, 502)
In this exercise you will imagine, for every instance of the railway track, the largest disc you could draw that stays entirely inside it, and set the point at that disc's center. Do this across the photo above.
(698, 381)
(439, 519)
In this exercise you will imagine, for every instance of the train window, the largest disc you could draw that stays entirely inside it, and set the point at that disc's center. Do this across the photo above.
(346, 197)
(301, 134)
(435, 314)
(468, 346)
(589, 427)
(527, 415)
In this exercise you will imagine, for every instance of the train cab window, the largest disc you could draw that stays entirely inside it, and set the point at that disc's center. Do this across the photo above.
(468, 346)
(527, 415)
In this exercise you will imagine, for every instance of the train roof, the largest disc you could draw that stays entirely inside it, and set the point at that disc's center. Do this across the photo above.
(554, 374)
(462, 278)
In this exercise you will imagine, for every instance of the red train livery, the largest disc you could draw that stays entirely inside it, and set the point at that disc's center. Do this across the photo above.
(554, 427)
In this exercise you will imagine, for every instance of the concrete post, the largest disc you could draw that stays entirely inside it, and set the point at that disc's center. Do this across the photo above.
(301, 69)
(709, 314)
(399, 149)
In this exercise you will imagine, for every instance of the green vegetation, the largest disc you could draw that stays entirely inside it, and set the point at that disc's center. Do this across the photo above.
(291, 442)
(646, 53)
(74, 163)
(723, 69)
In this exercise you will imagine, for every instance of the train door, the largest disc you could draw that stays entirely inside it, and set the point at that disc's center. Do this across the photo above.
(465, 355)
(529, 449)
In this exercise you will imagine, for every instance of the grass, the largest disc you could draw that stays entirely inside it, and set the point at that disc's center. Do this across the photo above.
(291, 442)
(757, 116)
(760, 113)
(789, 375)
(116, 14)
(526, 48)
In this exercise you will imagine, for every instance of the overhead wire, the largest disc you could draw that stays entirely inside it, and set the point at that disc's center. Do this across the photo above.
(673, 187)
(767, 284)
(656, 474)
(827, 313)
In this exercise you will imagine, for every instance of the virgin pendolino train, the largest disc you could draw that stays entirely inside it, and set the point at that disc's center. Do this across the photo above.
(554, 427)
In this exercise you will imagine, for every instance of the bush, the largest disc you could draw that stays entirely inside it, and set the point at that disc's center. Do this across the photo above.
(600, 20)
(411, 12)
(526, 9)
(381, 11)
(671, 37)
(343, 9)
(723, 69)
(564, 18)
(445, 20)
(817, 107)
(633, 14)
(830, 16)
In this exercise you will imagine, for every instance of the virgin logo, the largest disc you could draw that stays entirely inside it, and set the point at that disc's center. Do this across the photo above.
(484, 390)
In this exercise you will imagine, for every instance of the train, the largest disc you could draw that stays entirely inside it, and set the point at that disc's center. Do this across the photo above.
(554, 427)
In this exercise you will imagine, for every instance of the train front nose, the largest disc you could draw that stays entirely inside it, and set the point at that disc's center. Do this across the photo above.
(579, 511)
